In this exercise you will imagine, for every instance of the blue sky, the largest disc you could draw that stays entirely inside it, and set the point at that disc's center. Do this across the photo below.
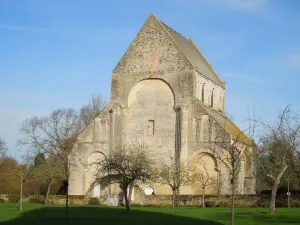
(57, 53)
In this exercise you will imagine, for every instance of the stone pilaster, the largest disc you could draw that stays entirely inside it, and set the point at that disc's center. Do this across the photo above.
(199, 129)
(111, 129)
(177, 134)
(242, 178)
(97, 137)
(184, 134)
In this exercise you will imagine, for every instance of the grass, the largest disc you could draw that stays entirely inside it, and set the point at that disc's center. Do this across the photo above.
(55, 214)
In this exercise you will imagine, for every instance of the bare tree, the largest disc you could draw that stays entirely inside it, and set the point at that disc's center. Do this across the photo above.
(54, 135)
(174, 175)
(3, 148)
(277, 147)
(204, 179)
(22, 172)
(230, 150)
(90, 111)
(126, 166)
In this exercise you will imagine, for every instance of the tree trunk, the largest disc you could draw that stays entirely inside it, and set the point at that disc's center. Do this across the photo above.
(203, 201)
(67, 199)
(126, 201)
(21, 194)
(130, 194)
(232, 201)
(289, 199)
(48, 191)
(273, 198)
(173, 199)
(274, 188)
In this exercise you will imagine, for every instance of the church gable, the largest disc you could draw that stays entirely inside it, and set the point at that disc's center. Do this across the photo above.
(153, 50)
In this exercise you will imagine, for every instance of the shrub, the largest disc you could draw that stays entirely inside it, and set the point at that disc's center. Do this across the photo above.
(210, 204)
(223, 204)
(13, 198)
(93, 201)
(36, 199)
(2, 200)
(137, 205)
(13, 191)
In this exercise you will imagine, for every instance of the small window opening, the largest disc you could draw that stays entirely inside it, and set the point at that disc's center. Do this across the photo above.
(212, 99)
(150, 127)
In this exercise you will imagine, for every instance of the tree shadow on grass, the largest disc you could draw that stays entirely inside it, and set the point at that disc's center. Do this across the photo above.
(261, 216)
(103, 216)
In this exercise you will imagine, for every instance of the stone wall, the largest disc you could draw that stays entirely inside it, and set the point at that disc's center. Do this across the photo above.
(217, 200)
(182, 200)
(53, 199)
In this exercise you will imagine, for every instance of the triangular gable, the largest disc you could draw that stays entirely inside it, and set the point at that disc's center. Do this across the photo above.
(144, 55)
(153, 50)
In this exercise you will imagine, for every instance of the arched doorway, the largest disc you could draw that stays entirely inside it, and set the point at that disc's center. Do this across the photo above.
(205, 169)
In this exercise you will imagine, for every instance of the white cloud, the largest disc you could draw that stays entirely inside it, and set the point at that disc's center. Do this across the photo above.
(243, 5)
(242, 77)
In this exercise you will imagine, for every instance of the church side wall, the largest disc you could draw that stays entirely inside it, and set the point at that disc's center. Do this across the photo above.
(95, 137)
(207, 88)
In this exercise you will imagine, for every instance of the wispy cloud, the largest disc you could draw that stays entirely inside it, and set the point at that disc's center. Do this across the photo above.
(243, 5)
(242, 77)
(290, 61)
(127, 34)
(294, 60)
(22, 28)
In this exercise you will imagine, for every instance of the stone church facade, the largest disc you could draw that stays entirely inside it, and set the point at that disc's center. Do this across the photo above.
(162, 88)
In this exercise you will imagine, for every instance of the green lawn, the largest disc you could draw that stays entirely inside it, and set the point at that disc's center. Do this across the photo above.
(54, 214)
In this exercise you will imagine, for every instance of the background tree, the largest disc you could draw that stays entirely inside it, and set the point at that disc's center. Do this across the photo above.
(8, 182)
(290, 177)
(89, 111)
(3, 148)
(54, 135)
(2, 155)
(277, 147)
(174, 175)
(23, 172)
(47, 170)
(126, 166)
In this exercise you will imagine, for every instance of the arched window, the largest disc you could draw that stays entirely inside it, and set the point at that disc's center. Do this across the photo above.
(202, 94)
(96, 190)
(212, 98)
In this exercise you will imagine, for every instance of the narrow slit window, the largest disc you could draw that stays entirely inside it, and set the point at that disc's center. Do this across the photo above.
(150, 127)
(212, 99)
(202, 94)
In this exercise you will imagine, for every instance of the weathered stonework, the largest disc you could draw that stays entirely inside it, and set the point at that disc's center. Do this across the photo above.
(153, 50)
(157, 83)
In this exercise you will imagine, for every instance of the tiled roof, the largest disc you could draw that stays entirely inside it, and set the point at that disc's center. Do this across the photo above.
(228, 125)
(194, 55)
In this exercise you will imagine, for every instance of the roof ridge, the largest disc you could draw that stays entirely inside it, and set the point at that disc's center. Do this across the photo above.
(173, 29)
(206, 61)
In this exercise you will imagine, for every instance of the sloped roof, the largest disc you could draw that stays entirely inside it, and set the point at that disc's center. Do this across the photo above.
(228, 125)
(194, 55)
